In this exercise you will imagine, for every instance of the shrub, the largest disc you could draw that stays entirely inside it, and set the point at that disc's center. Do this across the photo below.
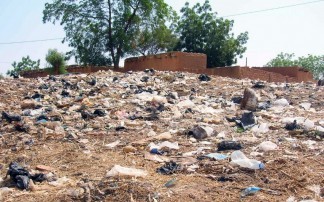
(56, 60)
(25, 64)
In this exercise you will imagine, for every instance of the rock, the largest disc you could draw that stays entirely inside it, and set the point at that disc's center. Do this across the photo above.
(27, 104)
(44, 168)
(129, 149)
(32, 186)
(250, 100)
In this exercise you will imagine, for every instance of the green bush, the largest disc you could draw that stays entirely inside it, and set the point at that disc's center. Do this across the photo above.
(56, 60)
(25, 64)
(1, 76)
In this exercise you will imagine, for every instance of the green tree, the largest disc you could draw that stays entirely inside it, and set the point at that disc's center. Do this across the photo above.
(105, 28)
(283, 60)
(155, 36)
(313, 63)
(56, 60)
(25, 64)
(201, 31)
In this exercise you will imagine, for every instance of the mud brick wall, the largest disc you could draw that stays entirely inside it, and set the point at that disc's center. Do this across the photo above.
(34, 73)
(299, 73)
(173, 61)
(257, 74)
(194, 63)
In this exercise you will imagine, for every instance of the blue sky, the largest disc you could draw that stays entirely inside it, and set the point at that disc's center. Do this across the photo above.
(296, 29)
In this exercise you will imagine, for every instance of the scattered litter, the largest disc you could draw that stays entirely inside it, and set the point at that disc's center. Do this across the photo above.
(169, 168)
(198, 132)
(229, 145)
(166, 144)
(204, 77)
(156, 158)
(281, 102)
(264, 105)
(250, 191)
(118, 170)
(292, 126)
(259, 84)
(74, 128)
(21, 176)
(267, 146)
(10, 118)
(247, 121)
(171, 183)
(59, 182)
(217, 156)
(260, 129)
(240, 159)
(305, 105)
(113, 144)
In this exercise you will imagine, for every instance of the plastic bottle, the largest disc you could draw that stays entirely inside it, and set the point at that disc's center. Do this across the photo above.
(240, 159)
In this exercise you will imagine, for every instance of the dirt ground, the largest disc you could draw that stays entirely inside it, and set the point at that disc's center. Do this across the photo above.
(79, 157)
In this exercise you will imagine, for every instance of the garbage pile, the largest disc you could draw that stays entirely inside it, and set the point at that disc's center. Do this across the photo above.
(160, 136)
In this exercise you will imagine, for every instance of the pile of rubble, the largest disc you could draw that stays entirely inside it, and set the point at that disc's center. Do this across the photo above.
(160, 136)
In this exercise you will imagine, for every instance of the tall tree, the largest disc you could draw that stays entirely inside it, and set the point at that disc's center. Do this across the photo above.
(155, 36)
(314, 63)
(105, 29)
(201, 31)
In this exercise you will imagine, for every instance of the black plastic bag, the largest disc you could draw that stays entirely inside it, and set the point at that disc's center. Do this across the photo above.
(21, 176)
(168, 168)
(10, 118)
(229, 145)
(197, 132)
(204, 77)
(247, 120)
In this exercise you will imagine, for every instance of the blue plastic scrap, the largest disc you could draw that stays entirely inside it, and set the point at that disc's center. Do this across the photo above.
(250, 191)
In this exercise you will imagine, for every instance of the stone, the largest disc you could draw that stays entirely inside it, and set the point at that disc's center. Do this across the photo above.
(44, 168)
(27, 104)
(129, 149)
(250, 100)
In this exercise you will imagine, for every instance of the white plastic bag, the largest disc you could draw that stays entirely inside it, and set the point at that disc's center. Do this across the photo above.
(118, 170)
(240, 159)
(267, 146)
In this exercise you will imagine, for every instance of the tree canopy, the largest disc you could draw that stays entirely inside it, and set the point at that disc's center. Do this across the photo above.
(24, 65)
(313, 63)
(104, 31)
(201, 31)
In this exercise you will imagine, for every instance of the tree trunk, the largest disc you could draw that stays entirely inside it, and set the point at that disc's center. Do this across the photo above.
(116, 62)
